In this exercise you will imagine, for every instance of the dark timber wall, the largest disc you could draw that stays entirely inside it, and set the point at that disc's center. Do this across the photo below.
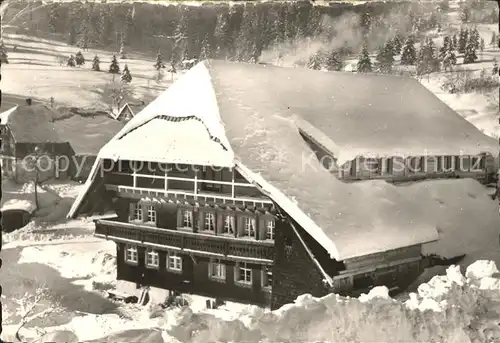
(294, 273)
(193, 278)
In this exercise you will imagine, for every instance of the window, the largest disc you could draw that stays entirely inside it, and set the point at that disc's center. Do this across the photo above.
(388, 166)
(210, 221)
(228, 224)
(267, 276)
(416, 164)
(131, 254)
(152, 258)
(448, 163)
(174, 261)
(187, 220)
(137, 212)
(243, 274)
(249, 227)
(476, 163)
(151, 214)
(270, 226)
(372, 165)
(217, 270)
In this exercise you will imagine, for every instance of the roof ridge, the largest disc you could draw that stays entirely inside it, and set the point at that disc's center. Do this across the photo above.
(179, 118)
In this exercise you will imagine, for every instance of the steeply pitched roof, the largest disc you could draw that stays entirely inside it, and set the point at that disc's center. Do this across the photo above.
(121, 111)
(31, 124)
(253, 112)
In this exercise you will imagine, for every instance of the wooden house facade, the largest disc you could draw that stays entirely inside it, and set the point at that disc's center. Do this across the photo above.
(210, 197)
(209, 231)
(27, 135)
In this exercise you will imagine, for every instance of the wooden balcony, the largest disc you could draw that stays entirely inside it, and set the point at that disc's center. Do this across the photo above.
(191, 242)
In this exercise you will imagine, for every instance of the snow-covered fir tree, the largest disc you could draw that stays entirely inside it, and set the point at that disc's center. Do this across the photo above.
(385, 58)
(4, 58)
(495, 69)
(206, 49)
(96, 64)
(449, 60)
(333, 61)
(364, 64)
(122, 49)
(462, 40)
(126, 76)
(397, 43)
(71, 61)
(408, 52)
(427, 59)
(475, 38)
(159, 61)
(470, 52)
(83, 35)
(493, 40)
(464, 14)
(315, 61)
(454, 42)
(445, 48)
(114, 67)
(79, 59)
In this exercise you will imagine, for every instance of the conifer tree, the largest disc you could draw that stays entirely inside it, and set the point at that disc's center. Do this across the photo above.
(445, 48)
(333, 61)
(114, 67)
(462, 40)
(449, 60)
(385, 57)
(71, 61)
(464, 14)
(315, 62)
(79, 59)
(3, 54)
(126, 76)
(408, 53)
(493, 40)
(364, 62)
(95, 64)
(122, 49)
(495, 69)
(470, 52)
(206, 49)
(475, 37)
(427, 61)
(397, 44)
(159, 61)
(454, 42)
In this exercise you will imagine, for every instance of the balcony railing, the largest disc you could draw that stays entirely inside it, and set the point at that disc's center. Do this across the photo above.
(226, 246)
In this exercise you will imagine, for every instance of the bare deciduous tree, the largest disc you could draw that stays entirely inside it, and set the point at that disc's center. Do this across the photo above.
(28, 309)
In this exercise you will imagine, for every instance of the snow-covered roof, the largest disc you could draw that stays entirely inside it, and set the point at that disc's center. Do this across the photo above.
(169, 140)
(31, 124)
(117, 114)
(253, 112)
(18, 204)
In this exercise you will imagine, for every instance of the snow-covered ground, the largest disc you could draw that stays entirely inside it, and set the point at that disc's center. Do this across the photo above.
(35, 70)
(76, 268)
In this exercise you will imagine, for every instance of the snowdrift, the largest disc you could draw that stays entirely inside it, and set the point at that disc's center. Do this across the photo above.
(450, 308)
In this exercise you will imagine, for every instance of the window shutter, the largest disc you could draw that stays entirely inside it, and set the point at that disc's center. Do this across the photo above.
(219, 222)
(261, 228)
(201, 220)
(236, 272)
(180, 216)
(131, 210)
(239, 226)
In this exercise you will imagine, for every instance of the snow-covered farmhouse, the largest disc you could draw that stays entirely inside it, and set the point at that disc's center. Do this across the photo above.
(24, 128)
(217, 189)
